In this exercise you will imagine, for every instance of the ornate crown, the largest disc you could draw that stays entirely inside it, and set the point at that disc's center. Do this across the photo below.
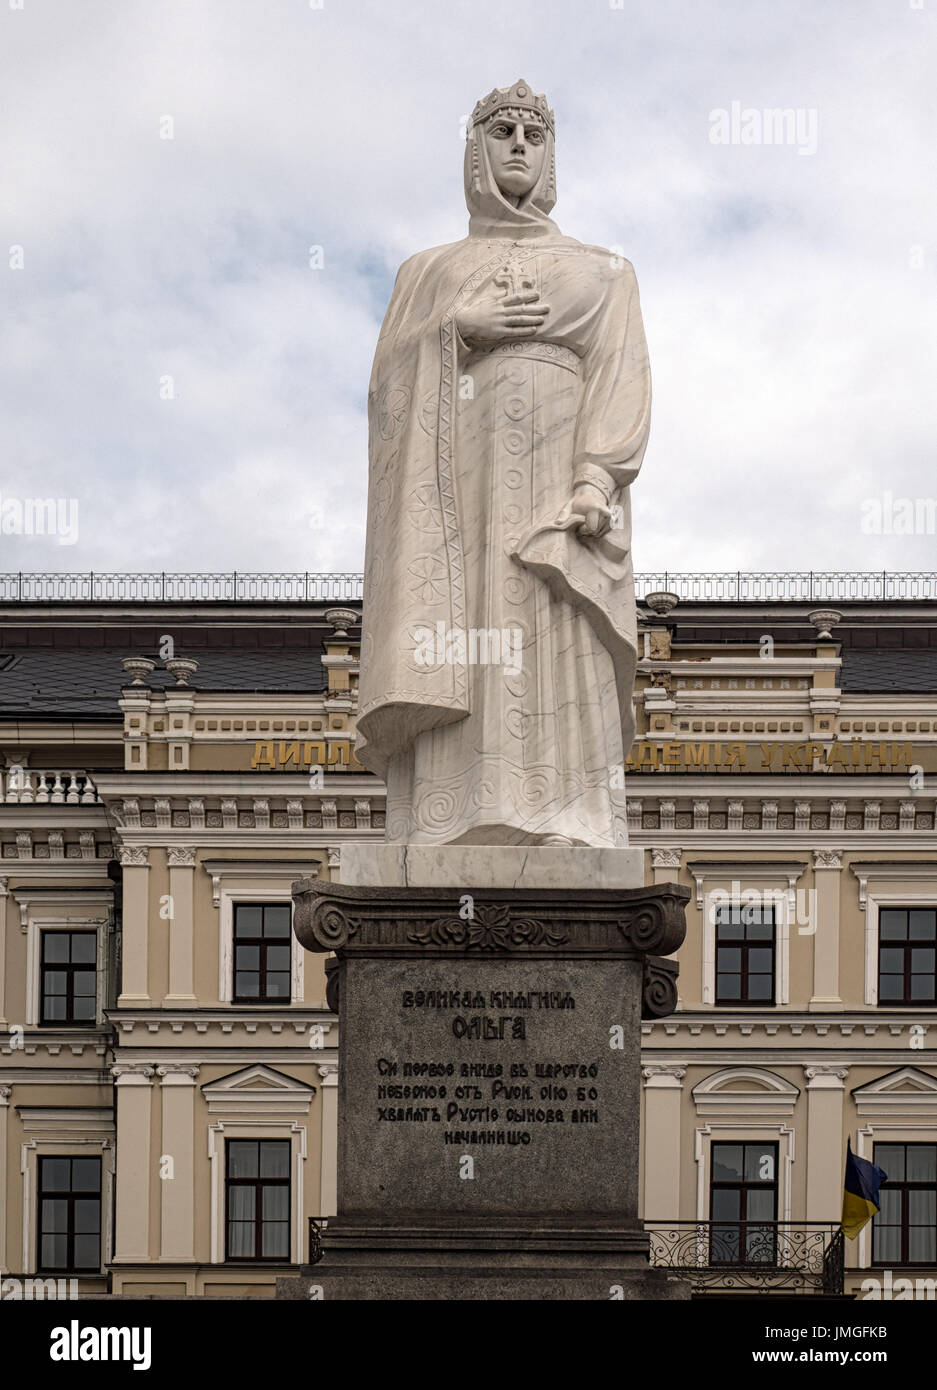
(520, 97)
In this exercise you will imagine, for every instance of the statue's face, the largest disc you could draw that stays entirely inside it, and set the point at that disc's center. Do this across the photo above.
(516, 150)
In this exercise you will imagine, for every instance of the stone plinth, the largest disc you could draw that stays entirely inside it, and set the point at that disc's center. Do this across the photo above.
(505, 866)
(489, 1072)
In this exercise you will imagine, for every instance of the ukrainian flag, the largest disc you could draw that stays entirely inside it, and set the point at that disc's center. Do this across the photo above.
(860, 1192)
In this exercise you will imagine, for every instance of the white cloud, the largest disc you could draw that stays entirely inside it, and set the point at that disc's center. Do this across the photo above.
(792, 343)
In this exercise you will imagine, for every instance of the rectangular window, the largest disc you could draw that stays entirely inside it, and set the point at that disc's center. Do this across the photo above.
(904, 1232)
(68, 984)
(907, 945)
(262, 953)
(69, 1215)
(257, 1191)
(743, 1204)
(745, 953)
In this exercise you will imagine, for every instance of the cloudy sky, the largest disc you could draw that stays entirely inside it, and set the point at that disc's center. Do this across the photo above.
(171, 360)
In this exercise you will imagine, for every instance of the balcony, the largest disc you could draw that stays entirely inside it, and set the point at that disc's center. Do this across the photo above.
(745, 1258)
(26, 786)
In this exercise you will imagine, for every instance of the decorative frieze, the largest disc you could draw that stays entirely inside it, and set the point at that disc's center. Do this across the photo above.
(398, 922)
(737, 814)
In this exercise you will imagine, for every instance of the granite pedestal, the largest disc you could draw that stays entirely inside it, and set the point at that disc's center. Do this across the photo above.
(489, 1070)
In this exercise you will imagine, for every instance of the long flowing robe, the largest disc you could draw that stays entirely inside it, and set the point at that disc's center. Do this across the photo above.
(473, 458)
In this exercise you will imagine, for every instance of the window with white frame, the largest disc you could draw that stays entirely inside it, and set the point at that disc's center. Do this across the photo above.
(60, 991)
(766, 893)
(84, 1137)
(893, 885)
(239, 885)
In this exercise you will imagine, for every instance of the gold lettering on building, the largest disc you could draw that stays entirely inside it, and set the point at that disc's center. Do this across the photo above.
(676, 755)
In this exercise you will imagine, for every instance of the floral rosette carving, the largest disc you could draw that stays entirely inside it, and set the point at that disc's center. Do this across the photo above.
(491, 928)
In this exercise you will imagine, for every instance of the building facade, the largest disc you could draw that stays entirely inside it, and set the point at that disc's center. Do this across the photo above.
(169, 1068)
(169, 1060)
(785, 772)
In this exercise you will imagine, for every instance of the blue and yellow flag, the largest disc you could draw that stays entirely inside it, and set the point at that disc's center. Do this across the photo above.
(860, 1192)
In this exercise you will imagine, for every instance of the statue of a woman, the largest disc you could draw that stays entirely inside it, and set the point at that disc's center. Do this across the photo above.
(509, 407)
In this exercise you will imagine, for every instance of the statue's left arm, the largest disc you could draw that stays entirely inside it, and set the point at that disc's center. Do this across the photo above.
(615, 410)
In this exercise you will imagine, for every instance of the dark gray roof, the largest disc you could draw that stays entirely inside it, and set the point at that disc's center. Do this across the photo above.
(907, 671)
(87, 683)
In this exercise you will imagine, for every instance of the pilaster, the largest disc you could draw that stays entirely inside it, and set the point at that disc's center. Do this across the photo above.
(134, 1090)
(135, 930)
(177, 1193)
(328, 1166)
(824, 919)
(663, 1096)
(825, 1095)
(181, 925)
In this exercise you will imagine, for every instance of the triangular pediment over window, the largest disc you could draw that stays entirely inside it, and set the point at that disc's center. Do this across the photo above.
(258, 1090)
(909, 1089)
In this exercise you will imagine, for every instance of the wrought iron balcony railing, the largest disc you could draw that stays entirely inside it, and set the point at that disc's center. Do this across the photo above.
(770, 1257)
(722, 586)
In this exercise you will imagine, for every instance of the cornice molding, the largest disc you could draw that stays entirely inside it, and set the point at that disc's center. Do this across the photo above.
(66, 1120)
(797, 1024)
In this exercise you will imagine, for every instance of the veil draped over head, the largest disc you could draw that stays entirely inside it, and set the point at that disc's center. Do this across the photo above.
(490, 213)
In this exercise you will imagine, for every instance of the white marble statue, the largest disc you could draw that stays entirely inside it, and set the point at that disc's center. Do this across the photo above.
(509, 407)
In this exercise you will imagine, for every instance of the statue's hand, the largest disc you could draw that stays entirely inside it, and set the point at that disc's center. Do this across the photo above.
(490, 320)
(589, 502)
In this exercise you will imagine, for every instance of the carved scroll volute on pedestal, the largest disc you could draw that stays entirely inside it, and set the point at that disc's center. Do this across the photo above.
(319, 923)
(332, 983)
(659, 987)
(657, 924)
